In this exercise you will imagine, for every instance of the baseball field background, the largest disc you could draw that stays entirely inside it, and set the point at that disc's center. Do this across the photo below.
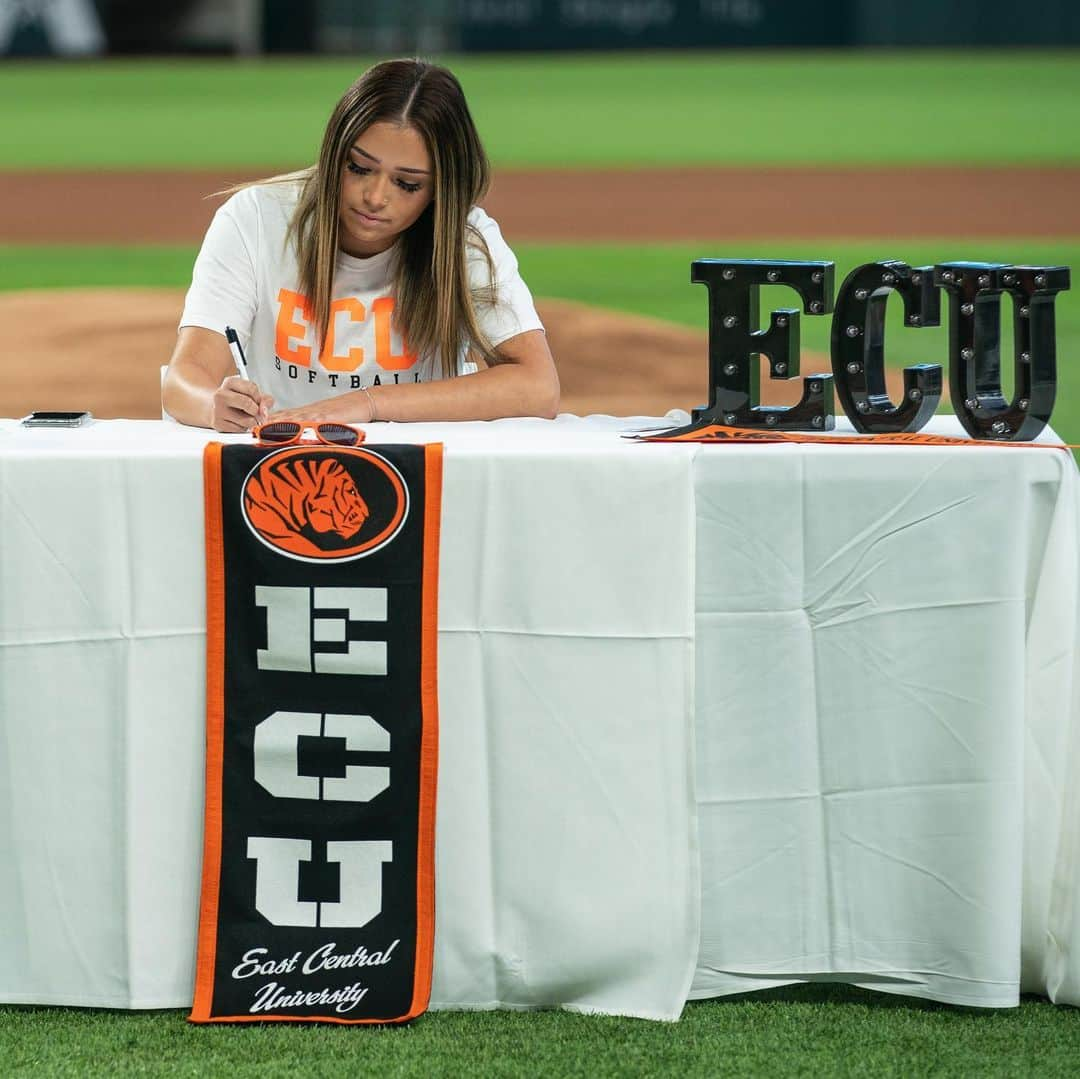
(613, 172)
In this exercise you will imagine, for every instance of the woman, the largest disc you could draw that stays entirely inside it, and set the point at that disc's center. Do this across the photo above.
(359, 287)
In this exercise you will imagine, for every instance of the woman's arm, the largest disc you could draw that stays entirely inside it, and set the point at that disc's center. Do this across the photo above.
(523, 383)
(201, 387)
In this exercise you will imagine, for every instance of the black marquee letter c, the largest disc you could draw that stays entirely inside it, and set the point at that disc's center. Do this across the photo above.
(858, 347)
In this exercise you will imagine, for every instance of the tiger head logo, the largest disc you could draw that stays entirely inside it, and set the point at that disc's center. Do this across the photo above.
(293, 502)
(306, 502)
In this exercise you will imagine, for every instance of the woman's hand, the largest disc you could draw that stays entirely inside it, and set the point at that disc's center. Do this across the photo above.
(353, 407)
(202, 389)
(238, 405)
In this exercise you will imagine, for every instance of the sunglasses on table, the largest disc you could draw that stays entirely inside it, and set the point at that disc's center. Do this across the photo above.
(285, 432)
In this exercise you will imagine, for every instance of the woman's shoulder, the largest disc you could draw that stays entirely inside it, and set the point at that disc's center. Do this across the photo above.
(481, 226)
(480, 220)
(276, 198)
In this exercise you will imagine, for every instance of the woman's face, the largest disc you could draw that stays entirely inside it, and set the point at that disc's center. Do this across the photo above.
(387, 184)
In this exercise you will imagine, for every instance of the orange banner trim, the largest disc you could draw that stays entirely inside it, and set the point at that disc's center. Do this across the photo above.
(215, 734)
(429, 746)
(717, 433)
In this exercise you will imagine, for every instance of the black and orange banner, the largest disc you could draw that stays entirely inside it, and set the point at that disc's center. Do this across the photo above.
(322, 729)
(718, 433)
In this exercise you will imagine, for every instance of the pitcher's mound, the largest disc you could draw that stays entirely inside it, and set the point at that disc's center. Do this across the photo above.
(102, 350)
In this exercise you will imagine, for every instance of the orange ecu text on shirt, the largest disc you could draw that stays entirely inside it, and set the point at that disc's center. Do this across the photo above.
(295, 317)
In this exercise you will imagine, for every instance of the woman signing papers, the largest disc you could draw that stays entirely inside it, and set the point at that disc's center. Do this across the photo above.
(360, 286)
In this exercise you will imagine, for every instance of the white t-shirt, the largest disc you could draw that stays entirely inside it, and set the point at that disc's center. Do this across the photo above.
(246, 276)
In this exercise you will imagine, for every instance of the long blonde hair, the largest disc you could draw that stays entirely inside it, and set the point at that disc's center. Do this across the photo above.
(435, 307)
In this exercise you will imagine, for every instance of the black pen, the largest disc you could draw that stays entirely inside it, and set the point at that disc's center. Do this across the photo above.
(237, 353)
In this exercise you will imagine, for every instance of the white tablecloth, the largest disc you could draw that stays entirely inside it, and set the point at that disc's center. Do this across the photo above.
(712, 717)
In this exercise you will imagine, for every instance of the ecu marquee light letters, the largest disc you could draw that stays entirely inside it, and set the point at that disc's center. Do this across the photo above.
(974, 291)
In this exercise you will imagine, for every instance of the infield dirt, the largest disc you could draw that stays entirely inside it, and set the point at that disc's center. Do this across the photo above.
(102, 349)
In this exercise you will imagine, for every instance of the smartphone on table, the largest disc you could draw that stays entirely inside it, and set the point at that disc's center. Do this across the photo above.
(56, 419)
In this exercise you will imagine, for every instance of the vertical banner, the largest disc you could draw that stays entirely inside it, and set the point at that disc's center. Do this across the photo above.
(318, 864)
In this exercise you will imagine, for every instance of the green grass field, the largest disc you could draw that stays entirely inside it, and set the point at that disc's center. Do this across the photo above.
(579, 110)
(803, 1030)
(627, 110)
